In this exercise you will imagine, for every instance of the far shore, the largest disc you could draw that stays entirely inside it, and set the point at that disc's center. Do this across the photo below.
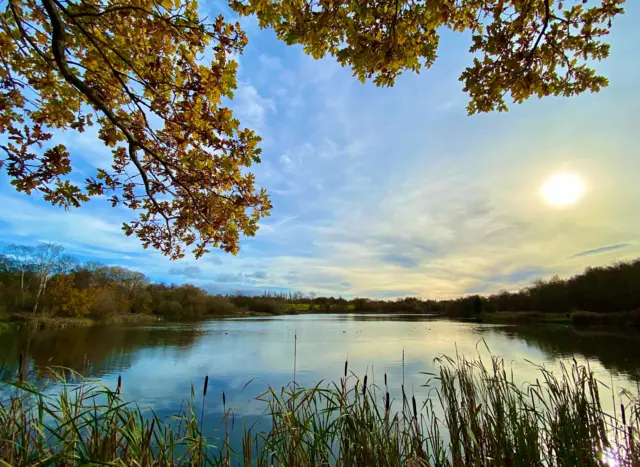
(578, 318)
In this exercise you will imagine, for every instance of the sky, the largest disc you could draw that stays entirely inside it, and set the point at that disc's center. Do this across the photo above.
(392, 192)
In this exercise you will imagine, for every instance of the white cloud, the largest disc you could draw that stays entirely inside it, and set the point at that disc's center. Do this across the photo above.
(270, 62)
(251, 107)
(286, 161)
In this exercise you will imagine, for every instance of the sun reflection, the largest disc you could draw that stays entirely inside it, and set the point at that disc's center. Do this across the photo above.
(609, 458)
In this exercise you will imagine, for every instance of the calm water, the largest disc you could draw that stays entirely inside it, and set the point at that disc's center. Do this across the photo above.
(158, 363)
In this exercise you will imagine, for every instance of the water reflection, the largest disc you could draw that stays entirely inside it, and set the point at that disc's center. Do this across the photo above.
(93, 351)
(160, 363)
(614, 349)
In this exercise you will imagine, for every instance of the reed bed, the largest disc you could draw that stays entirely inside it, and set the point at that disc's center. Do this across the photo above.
(476, 415)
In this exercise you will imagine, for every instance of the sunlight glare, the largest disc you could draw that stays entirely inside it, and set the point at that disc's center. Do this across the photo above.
(562, 189)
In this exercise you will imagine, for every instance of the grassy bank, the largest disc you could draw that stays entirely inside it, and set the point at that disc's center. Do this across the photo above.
(476, 415)
(630, 319)
(524, 317)
(39, 321)
(577, 318)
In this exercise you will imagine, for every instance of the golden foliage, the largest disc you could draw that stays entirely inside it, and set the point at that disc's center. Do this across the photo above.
(152, 76)
(137, 70)
(523, 48)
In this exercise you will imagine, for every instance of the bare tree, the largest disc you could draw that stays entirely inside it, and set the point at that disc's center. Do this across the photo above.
(22, 257)
(48, 260)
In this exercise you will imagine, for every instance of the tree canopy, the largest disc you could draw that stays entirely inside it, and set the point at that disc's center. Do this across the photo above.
(523, 48)
(153, 76)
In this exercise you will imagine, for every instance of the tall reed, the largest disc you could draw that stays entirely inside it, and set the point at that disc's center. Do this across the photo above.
(476, 415)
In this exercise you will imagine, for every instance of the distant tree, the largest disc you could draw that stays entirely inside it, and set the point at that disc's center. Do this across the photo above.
(478, 304)
(361, 304)
(66, 300)
(106, 302)
(141, 302)
(22, 257)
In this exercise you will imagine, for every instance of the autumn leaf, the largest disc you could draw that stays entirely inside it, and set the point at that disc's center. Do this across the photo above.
(130, 63)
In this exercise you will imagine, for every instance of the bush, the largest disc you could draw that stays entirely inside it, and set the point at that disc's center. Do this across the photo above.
(169, 308)
(105, 302)
(220, 306)
(268, 306)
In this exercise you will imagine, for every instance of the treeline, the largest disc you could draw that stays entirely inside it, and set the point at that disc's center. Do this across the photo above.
(611, 289)
(605, 290)
(43, 280)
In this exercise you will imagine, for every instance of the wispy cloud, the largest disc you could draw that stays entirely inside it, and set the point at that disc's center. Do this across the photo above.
(192, 272)
(602, 249)
(252, 108)
(242, 277)
(401, 260)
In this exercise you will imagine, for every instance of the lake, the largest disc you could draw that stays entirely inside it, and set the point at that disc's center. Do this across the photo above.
(242, 357)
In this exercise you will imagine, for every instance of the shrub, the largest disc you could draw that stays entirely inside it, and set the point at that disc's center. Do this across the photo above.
(220, 306)
(265, 305)
(170, 308)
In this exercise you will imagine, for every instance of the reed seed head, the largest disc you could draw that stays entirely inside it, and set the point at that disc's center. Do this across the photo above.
(415, 408)
(21, 368)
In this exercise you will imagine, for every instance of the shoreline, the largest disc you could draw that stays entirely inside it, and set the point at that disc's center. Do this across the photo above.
(40, 322)
(578, 319)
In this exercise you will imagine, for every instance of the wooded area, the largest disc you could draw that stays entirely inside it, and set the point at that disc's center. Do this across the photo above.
(44, 280)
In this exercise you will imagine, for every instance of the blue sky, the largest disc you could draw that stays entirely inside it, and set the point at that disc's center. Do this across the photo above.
(386, 192)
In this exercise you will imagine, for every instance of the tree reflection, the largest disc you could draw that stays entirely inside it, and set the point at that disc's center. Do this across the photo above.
(91, 351)
(615, 350)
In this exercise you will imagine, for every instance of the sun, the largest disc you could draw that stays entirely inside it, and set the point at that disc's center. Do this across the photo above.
(562, 189)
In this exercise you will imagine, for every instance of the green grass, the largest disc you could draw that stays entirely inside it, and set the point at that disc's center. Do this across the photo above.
(476, 416)
(292, 308)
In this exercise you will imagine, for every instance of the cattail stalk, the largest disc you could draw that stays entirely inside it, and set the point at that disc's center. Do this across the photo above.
(204, 398)
(21, 368)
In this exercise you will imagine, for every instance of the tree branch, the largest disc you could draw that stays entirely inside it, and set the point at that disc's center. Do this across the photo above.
(58, 47)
